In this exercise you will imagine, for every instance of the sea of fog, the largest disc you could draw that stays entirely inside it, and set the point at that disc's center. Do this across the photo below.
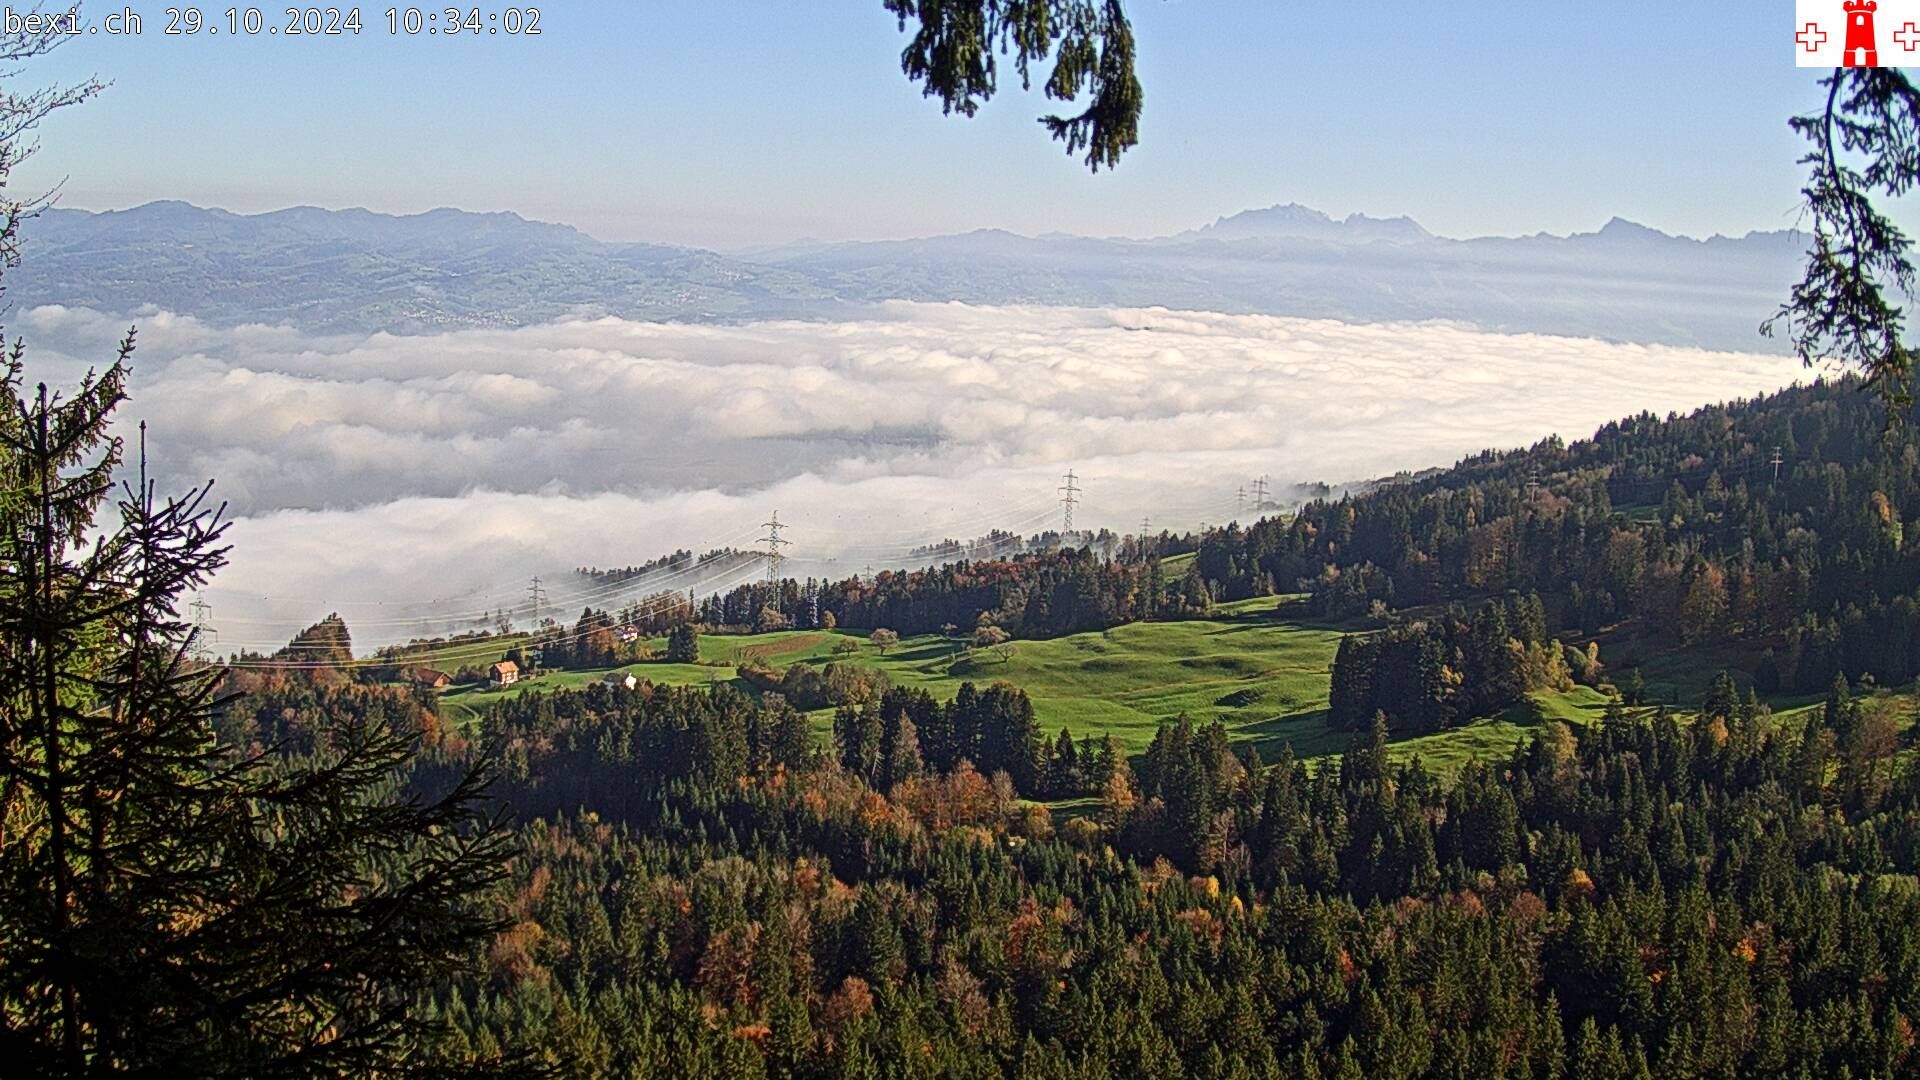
(415, 483)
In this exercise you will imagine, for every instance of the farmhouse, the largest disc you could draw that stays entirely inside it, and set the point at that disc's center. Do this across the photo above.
(620, 678)
(429, 678)
(504, 673)
(629, 634)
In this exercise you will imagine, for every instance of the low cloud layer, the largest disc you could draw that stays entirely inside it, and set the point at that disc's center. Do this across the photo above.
(394, 477)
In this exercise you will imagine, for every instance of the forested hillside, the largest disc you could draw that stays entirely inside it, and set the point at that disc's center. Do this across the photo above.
(1775, 523)
(1644, 897)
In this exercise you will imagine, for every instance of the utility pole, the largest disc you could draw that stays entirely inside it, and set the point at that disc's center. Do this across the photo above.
(1069, 498)
(1776, 464)
(774, 543)
(538, 595)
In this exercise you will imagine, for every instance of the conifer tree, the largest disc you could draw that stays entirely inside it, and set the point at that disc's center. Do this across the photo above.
(858, 732)
(903, 752)
(958, 45)
(169, 902)
(683, 645)
(789, 740)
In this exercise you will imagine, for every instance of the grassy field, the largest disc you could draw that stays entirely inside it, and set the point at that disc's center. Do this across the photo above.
(1258, 666)
(1174, 567)
(464, 704)
(450, 658)
(1261, 667)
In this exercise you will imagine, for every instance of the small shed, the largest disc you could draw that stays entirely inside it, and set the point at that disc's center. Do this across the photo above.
(620, 678)
(430, 678)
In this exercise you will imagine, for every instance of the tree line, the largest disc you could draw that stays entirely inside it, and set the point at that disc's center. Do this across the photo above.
(1031, 595)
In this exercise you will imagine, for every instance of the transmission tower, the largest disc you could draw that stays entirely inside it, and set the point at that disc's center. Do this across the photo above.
(774, 543)
(538, 594)
(1776, 464)
(1260, 493)
(1069, 498)
(1239, 500)
(204, 635)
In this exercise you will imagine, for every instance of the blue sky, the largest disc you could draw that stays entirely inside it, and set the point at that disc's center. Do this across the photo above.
(736, 122)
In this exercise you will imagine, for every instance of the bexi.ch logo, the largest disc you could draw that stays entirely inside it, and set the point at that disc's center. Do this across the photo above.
(1856, 33)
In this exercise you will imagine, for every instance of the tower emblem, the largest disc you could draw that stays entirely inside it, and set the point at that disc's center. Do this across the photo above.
(1860, 51)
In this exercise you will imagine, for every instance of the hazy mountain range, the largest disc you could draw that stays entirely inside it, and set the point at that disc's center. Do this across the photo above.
(355, 271)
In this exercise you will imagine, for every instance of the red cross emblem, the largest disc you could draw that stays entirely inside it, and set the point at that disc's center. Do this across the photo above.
(1908, 36)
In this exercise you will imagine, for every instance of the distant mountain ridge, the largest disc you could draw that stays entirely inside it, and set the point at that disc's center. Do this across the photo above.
(1294, 220)
(358, 270)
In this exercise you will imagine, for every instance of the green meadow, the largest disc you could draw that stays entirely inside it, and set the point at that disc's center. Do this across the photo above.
(480, 652)
(1261, 667)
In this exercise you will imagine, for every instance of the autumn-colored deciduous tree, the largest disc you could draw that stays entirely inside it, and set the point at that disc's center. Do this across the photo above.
(1703, 608)
(995, 640)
